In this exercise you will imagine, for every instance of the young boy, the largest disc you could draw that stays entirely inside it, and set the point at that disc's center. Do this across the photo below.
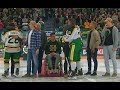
(66, 49)
(53, 51)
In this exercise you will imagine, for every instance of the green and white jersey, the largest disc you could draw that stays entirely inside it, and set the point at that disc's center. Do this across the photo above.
(12, 45)
(75, 34)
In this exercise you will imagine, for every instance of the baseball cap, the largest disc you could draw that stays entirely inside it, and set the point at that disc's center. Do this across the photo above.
(108, 19)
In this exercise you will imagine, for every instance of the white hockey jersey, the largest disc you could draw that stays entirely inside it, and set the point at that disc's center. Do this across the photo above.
(75, 34)
(12, 45)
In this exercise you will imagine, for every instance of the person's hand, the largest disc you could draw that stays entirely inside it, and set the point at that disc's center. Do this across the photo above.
(15, 36)
(53, 53)
(114, 49)
(37, 51)
(22, 46)
(64, 39)
(92, 50)
(76, 26)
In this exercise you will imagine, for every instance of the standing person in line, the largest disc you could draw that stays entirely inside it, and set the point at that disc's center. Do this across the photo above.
(75, 50)
(66, 49)
(33, 43)
(8, 28)
(117, 24)
(93, 41)
(12, 40)
(42, 48)
(110, 45)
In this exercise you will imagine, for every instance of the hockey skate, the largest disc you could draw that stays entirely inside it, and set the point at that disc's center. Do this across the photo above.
(6, 73)
(14, 76)
(17, 71)
(80, 72)
(72, 75)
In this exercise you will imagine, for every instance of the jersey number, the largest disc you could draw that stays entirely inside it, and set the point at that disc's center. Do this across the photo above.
(12, 40)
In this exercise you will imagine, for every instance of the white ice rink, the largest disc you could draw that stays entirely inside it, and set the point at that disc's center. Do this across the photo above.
(84, 78)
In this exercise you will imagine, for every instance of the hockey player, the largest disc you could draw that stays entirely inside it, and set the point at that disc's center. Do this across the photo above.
(75, 50)
(12, 40)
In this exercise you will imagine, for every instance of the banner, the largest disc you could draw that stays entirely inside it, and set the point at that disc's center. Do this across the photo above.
(100, 52)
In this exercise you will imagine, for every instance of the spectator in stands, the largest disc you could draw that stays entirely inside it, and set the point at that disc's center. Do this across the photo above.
(67, 26)
(1, 28)
(57, 22)
(42, 23)
(25, 20)
(86, 24)
(77, 19)
(5, 10)
(19, 21)
(62, 20)
(5, 17)
(115, 17)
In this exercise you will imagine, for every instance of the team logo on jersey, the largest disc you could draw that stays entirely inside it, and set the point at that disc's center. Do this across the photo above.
(53, 47)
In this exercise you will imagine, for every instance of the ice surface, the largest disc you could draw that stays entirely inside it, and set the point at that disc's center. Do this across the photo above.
(84, 78)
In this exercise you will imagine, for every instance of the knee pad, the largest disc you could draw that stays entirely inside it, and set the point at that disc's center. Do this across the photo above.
(16, 61)
(6, 61)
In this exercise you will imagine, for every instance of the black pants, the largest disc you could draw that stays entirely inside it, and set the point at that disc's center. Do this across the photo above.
(12, 65)
(66, 50)
(94, 56)
(40, 56)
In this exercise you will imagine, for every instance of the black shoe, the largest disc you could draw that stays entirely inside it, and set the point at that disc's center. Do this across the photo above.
(114, 74)
(76, 73)
(94, 74)
(69, 72)
(17, 71)
(65, 76)
(33, 75)
(80, 72)
(27, 75)
(72, 74)
(4, 75)
(69, 68)
(88, 73)
(106, 74)
(13, 75)
(76, 69)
